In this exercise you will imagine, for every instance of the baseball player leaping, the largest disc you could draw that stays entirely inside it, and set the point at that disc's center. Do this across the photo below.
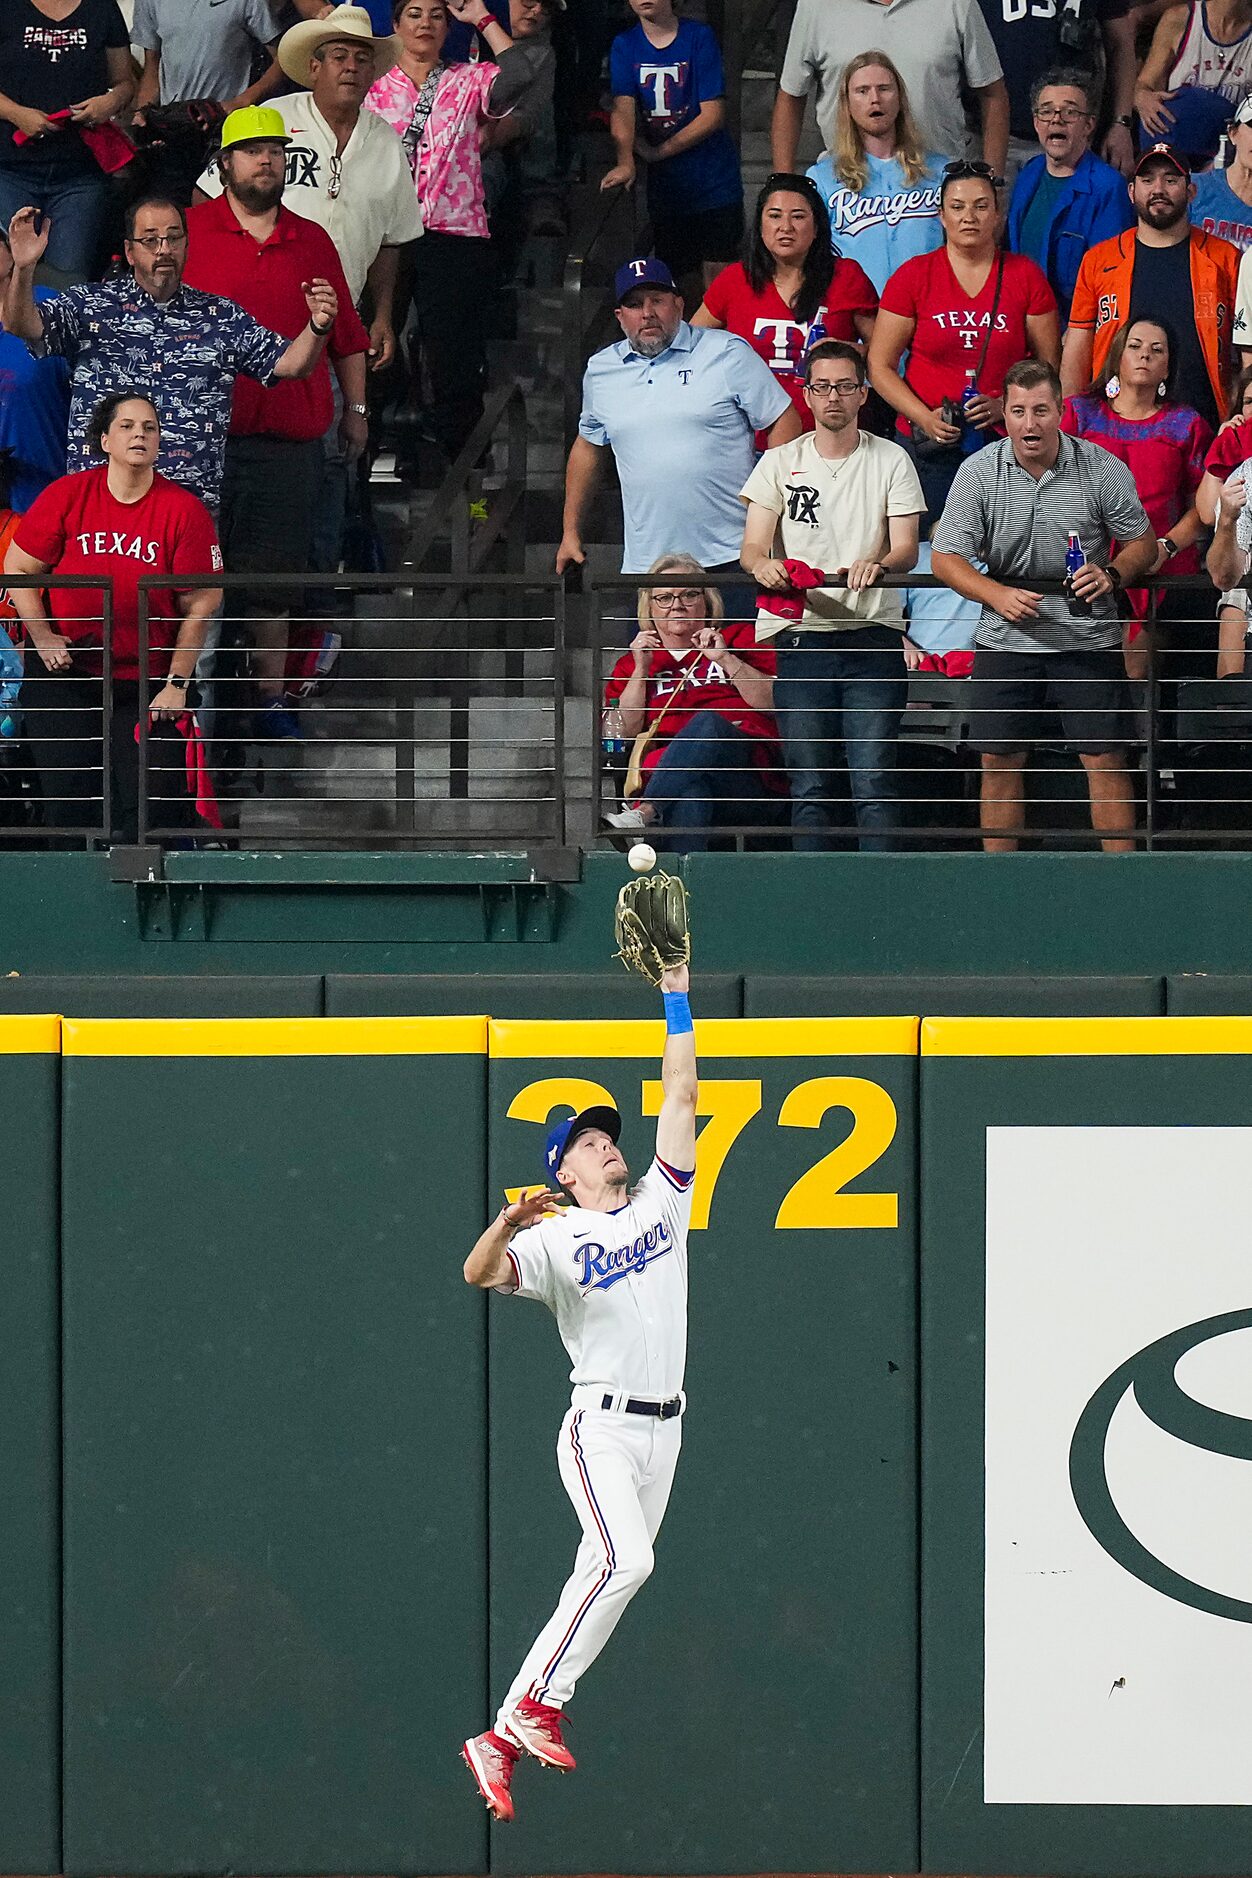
(612, 1268)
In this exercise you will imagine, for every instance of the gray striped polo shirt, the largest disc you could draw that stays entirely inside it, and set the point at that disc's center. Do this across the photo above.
(1020, 525)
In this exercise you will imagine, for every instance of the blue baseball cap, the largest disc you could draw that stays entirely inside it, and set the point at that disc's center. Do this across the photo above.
(560, 1136)
(645, 271)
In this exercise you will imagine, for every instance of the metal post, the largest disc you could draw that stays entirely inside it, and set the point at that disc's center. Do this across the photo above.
(106, 715)
(1150, 753)
(558, 713)
(596, 624)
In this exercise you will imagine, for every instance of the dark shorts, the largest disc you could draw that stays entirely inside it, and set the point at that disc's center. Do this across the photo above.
(269, 499)
(687, 242)
(1081, 698)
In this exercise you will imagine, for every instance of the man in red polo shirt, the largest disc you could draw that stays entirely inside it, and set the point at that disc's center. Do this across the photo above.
(247, 246)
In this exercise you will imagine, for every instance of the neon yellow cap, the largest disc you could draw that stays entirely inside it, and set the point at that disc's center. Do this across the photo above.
(253, 122)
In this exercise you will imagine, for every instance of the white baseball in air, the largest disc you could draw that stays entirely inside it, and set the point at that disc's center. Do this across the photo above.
(642, 858)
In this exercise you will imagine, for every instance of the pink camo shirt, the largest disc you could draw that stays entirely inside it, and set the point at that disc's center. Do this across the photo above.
(449, 161)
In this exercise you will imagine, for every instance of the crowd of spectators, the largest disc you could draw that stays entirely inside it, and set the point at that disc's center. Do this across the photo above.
(1007, 306)
(988, 338)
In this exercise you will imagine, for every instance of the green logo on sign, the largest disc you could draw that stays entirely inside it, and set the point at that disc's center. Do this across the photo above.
(1150, 1374)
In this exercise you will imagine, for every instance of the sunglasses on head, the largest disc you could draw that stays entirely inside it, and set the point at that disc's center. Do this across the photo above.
(971, 167)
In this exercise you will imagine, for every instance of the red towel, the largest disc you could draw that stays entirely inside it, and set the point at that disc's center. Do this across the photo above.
(948, 664)
(199, 777)
(787, 605)
(108, 143)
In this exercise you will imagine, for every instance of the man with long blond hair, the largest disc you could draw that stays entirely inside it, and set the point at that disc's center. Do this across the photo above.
(880, 186)
(942, 48)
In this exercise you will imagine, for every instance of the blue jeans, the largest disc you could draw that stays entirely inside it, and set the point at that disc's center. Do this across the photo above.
(75, 205)
(844, 687)
(706, 769)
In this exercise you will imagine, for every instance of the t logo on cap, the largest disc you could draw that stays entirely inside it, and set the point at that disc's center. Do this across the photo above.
(644, 271)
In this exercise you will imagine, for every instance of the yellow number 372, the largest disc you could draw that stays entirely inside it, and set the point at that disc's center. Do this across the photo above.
(818, 1200)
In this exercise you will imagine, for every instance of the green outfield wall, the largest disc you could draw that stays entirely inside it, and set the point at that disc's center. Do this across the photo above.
(955, 1574)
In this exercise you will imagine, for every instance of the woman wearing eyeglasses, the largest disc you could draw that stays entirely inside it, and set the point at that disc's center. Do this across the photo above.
(706, 691)
(439, 111)
(964, 315)
(790, 282)
(880, 186)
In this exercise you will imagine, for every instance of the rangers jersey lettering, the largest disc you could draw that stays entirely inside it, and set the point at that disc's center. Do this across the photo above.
(616, 1284)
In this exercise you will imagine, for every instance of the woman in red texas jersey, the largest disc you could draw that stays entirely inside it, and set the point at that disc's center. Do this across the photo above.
(790, 282)
(113, 525)
(708, 688)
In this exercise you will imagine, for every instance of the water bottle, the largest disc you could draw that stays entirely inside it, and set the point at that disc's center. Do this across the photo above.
(817, 332)
(971, 389)
(1074, 559)
(613, 734)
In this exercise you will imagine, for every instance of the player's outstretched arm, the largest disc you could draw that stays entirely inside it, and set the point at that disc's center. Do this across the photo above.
(488, 1264)
(676, 1129)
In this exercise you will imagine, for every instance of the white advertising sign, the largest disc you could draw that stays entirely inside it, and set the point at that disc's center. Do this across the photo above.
(1118, 1615)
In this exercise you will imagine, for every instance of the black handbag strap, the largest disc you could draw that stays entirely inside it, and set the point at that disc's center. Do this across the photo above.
(991, 324)
(423, 105)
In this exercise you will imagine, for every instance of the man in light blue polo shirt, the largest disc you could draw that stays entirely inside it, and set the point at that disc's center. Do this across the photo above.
(677, 405)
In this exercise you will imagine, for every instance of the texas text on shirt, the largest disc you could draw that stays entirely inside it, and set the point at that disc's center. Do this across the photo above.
(363, 198)
(616, 1284)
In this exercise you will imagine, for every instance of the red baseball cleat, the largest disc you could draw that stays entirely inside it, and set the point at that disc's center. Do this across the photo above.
(539, 1730)
(491, 1760)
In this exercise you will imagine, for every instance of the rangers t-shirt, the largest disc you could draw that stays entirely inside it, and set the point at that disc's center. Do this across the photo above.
(1219, 211)
(77, 526)
(708, 688)
(770, 327)
(951, 326)
(668, 86)
(49, 65)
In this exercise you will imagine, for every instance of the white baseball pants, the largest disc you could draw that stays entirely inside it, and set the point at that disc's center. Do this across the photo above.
(618, 1471)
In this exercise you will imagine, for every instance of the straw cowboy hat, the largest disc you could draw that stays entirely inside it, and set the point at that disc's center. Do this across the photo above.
(298, 44)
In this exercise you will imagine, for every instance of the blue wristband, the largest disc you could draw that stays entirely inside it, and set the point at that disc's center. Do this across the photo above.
(677, 1013)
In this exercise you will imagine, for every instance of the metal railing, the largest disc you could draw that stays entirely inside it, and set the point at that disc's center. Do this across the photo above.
(480, 726)
(62, 734)
(438, 728)
(448, 516)
(1157, 755)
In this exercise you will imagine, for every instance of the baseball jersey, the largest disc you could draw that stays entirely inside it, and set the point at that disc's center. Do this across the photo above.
(77, 526)
(772, 330)
(616, 1284)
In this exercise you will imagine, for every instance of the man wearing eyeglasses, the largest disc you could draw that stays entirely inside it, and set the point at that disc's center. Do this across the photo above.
(1065, 199)
(185, 347)
(848, 504)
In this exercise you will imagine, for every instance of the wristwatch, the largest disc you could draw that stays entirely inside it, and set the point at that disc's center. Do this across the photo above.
(1170, 546)
(1115, 577)
(1126, 120)
(362, 410)
(179, 684)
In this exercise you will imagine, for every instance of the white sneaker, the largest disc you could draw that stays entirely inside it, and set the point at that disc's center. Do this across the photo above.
(630, 821)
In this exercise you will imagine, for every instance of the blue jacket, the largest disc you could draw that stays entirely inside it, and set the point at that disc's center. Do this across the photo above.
(1093, 205)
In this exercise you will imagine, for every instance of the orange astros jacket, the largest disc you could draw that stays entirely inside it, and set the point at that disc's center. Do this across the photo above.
(1102, 299)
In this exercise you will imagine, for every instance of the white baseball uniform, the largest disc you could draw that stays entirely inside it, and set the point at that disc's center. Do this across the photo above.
(617, 1285)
